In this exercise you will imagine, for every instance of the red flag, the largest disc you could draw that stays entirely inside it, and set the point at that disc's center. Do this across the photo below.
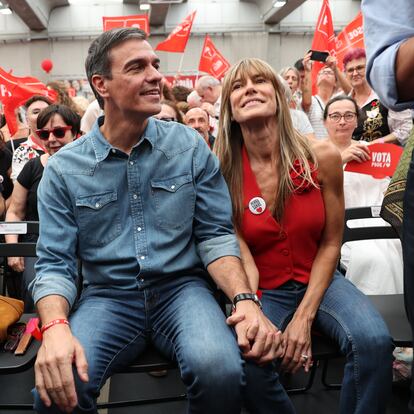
(212, 61)
(383, 162)
(178, 38)
(323, 38)
(351, 37)
(138, 20)
(15, 91)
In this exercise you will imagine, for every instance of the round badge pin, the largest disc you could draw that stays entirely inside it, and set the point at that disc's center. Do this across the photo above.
(257, 205)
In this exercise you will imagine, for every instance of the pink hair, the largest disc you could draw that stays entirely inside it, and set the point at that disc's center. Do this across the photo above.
(353, 54)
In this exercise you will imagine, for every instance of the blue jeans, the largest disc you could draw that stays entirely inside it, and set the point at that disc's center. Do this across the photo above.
(183, 320)
(347, 316)
(408, 254)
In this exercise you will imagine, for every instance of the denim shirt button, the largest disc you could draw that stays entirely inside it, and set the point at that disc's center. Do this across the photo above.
(172, 187)
(142, 257)
(131, 163)
(113, 151)
(97, 205)
(139, 228)
(135, 196)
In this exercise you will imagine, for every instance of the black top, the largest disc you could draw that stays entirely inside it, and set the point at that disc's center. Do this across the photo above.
(30, 178)
(5, 164)
(16, 143)
(373, 122)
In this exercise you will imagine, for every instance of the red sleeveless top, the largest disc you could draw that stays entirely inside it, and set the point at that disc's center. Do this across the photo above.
(286, 250)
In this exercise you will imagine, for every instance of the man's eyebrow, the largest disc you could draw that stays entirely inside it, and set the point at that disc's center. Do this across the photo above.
(141, 61)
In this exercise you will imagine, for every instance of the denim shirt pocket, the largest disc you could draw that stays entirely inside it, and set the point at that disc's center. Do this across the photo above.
(174, 200)
(98, 217)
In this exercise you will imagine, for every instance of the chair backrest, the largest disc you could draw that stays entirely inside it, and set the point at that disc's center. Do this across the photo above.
(21, 249)
(366, 232)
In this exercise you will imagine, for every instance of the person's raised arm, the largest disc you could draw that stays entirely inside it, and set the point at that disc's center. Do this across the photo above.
(298, 332)
(307, 83)
(332, 62)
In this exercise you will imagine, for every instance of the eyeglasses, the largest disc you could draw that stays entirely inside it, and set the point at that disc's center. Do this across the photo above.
(358, 69)
(326, 72)
(58, 132)
(348, 116)
(166, 119)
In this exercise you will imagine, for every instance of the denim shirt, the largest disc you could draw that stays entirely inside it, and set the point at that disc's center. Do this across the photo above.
(162, 211)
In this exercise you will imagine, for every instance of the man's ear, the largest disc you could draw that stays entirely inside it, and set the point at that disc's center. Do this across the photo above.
(99, 82)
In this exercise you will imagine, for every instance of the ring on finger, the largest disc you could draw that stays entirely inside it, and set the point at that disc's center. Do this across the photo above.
(305, 357)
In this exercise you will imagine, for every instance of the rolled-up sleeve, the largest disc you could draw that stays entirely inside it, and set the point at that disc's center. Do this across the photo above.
(56, 268)
(385, 28)
(213, 227)
(400, 124)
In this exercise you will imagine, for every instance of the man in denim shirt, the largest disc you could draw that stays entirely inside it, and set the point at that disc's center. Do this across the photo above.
(143, 204)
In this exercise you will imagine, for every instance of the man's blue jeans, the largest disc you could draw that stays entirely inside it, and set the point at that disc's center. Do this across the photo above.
(347, 316)
(182, 318)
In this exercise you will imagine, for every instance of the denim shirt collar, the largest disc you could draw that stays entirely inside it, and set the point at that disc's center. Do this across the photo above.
(102, 147)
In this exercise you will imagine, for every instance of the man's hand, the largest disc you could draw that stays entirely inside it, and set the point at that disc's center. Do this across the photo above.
(307, 63)
(16, 263)
(53, 368)
(297, 337)
(257, 337)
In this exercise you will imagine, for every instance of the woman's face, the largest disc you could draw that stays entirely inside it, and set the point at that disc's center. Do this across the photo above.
(166, 114)
(59, 134)
(292, 79)
(355, 71)
(33, 112)
(252, 99)
(341, 120)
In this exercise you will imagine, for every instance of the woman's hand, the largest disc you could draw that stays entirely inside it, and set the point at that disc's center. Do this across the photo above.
(16, 263)
(297, 339)
(356, 152)
(307, 64)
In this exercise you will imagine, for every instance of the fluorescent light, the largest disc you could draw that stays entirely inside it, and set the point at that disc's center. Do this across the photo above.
(5, 11)
(144, 6)
(279, 3)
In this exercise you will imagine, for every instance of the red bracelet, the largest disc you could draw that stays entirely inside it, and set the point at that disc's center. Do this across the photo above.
(53, 323)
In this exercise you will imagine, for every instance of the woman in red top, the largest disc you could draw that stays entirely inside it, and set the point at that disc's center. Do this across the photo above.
(288, 211)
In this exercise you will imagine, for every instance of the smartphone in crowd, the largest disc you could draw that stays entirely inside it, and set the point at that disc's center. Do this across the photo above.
(318, 55)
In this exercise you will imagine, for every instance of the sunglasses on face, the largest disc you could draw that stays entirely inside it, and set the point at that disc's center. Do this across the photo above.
(58, 132)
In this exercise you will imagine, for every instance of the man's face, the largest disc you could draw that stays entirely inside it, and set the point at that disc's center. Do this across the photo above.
(197, 118)
(135, 87)
(209, 94)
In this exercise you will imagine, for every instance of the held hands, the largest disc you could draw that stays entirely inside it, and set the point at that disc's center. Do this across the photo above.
(257, 337)
(297, 337)
(16, 263)
(53, 368)
(356, 152)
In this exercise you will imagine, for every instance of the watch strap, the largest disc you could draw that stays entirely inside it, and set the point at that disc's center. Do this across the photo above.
(247, 296)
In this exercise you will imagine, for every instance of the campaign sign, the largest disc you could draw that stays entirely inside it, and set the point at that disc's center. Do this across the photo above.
(383, 162)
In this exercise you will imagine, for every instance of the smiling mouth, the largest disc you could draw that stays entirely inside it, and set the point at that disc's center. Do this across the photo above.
(152, 92)
(252, 102)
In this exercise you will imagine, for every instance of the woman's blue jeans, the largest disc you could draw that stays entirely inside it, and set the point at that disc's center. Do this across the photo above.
(347, 316)
(182, 318)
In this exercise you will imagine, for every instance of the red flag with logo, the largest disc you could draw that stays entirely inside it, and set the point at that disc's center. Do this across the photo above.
(212, 61)
(383, 162)
(14, 91)
(323, 39)
(178, 38)
(351, 37)
(138, 20)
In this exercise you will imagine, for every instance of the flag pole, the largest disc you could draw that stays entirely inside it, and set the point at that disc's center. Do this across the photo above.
(181, 64)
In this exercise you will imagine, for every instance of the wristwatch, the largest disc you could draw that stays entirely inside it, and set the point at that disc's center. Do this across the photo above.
(247, 296)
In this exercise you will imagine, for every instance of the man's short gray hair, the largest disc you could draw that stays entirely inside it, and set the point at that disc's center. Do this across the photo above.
(206, 81)
(98, 61)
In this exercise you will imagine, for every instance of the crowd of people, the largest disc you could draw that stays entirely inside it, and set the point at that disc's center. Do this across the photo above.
(161, 190)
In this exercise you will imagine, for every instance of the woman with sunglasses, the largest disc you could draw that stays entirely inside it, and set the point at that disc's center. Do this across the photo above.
(57, 125)
(376, 123)
(288, 213)
(374, 266)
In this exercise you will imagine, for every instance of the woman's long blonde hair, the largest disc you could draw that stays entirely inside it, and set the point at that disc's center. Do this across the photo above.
(228, 146)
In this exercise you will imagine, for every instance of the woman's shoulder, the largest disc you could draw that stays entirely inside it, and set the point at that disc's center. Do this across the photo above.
(327, 155)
